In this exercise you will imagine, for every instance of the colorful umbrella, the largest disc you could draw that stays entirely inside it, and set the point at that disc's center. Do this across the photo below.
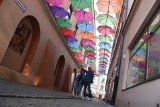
(104, 45)
(105, 30)
(85, 26)
(76, 54)
(106, 19)
(82, 61)
(87, 35)
(88, 42)
(73, 44)
(103, 63)
(109, 6)
(91, 57)
(100, 50)
(81, 4)
(104, 55)
(104, 38)
(70, 39)
(103, 52)
(75, 49)
(78, 57)
(55, 2)
(63, 22)
(83, 16)
(103, 59)
(90, 60)
(89, 48)
(91, 63)
(89, 53)
(58, 11)
(67, 32)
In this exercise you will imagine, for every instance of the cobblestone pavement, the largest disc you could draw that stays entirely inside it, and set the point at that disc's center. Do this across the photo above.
(19, 95)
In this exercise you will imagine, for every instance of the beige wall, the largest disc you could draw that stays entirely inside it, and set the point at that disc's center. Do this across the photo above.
(11, 15)
(147, 94)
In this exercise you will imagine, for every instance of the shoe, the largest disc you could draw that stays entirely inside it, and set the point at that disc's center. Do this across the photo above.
(89, 99)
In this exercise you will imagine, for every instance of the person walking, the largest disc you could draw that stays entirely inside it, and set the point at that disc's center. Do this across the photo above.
(88, 79)
(79, 83)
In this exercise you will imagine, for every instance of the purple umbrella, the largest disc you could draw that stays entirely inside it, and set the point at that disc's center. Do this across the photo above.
(71, 39)
(91, 57)
(104, 55)
(58, 11)
(88, 42)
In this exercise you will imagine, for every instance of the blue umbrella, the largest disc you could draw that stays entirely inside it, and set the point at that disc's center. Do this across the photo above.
(58, 11)
(85, 26)
(70, 39)
(104, 45)
(140, 51)
(91, 63)
(73, 44)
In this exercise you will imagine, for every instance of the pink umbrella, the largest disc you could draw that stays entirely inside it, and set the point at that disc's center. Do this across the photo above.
(83, 16)
(88, 42)
(104, 55)
(105, 30)
(55, 2)
(77, 54)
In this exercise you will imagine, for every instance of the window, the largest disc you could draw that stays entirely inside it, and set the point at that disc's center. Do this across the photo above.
(145, 54)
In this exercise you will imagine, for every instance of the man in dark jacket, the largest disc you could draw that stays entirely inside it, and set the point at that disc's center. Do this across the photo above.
(88, 79)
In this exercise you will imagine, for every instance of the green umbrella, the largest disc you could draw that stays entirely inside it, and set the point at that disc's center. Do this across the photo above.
(103, 59)
(92, 61)
(75, 50)
(105, 19)
(63, 22)
(89, 48)
(81, 4)
(104, 38)
(81, 63)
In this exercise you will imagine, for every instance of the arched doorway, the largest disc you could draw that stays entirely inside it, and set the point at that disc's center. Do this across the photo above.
(1, 1)
(22, 47)
(59, 70)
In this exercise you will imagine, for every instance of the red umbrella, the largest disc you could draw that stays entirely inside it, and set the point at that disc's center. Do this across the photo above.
(67, 32)
(103, 63)
(88, 42)
(89, 53)
(105, 30)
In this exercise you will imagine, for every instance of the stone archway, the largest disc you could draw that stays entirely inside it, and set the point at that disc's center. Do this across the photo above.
(22, 47)
(59, 70)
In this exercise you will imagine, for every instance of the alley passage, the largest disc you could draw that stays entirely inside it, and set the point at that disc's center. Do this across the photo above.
(19, 95)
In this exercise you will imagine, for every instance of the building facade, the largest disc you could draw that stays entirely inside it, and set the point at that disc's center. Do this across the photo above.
(32, 49)
(137, 67)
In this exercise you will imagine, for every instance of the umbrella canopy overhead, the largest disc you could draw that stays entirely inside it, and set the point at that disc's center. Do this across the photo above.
(87, 35)
(88, 42)
(103, 59)
(63, 22)
(104, 56)
(104, 38)
(73, 44)
(100, 50)
(83, 16)
(85, 26)
(58, 11)
(78, 57)
(109, 6)
(106, 19)
(89, 53)
(81, 4)
(75, 49)
(77, 54)
(67, 32)
(104, 45)
(55, 2)
(103, 63)
(105, 30)
(89, 48)
(91, 57)
(90, 60)
(70, 39)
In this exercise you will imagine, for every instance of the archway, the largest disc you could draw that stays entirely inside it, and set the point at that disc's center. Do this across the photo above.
(1, 1)
(59, 70)
(22, 47)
